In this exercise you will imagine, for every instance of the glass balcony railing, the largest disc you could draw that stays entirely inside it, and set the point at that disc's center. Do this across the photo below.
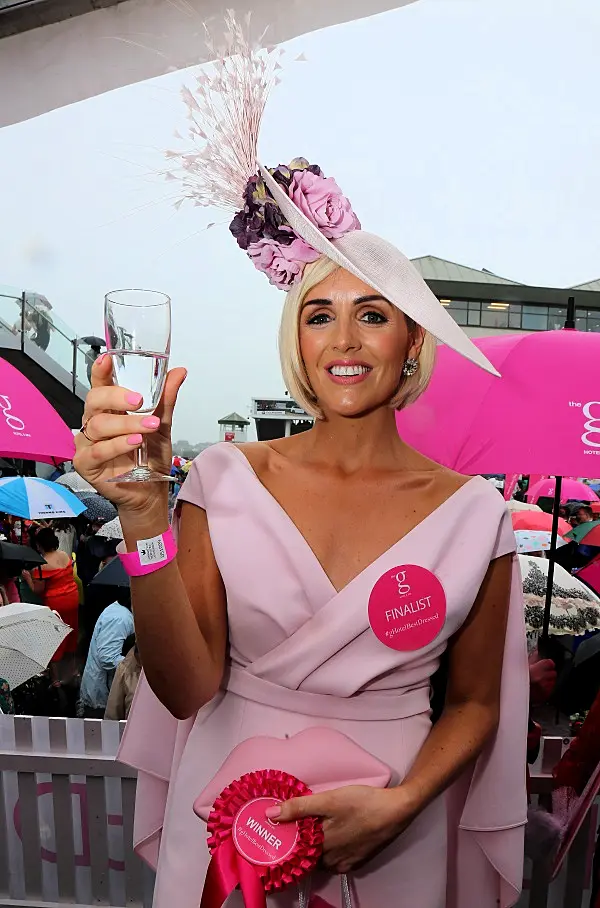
(10, 313)
(28, 318)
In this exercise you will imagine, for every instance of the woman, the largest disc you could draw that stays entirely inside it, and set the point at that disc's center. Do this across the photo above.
(333, 499)
(55, 584)
(272, 617)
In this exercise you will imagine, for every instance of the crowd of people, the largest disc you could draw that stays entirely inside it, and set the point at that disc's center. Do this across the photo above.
(94, 672)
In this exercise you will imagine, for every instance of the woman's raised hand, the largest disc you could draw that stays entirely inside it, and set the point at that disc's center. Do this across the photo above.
(113, 435)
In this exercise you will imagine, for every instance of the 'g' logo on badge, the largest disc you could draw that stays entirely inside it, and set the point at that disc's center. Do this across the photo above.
(407, 607)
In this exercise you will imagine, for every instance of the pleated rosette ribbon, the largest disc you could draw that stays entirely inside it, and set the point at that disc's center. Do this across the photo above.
(252, 852)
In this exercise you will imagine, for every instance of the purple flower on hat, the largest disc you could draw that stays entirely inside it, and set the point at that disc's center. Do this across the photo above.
(322, 201)
(283, 265)
(247, 228)
(260, 217)
(263, 232)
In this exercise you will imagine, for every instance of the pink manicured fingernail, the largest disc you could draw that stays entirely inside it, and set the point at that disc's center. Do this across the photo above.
(101, 359)
(272, 813)
(134, 439)
(133, 398)
(151, 422)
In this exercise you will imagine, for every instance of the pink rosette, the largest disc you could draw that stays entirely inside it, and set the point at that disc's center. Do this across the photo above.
(228, 868)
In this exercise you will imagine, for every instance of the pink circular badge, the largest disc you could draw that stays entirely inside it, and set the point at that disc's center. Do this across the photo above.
(259, 840)
(407, 607)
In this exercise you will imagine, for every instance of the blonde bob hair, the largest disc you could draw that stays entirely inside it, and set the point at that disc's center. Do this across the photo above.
(292, 365)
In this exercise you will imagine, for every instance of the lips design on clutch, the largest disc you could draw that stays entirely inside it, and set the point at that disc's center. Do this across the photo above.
(322, 757)
(248, 850)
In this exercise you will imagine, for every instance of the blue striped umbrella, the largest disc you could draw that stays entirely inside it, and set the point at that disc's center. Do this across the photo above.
(35, 499)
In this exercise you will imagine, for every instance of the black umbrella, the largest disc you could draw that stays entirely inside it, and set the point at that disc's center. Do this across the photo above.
(19, 555)
(97, 507)
(111, 575)
(93, 341)
(102, 548)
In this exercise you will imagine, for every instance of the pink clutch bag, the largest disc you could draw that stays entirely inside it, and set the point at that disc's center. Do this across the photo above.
(321, 757)
(258, 856)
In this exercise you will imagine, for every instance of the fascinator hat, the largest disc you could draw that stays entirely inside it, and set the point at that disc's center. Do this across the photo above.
(287, 216)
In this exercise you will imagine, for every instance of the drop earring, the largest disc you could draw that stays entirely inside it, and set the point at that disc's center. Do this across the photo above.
(410, 367)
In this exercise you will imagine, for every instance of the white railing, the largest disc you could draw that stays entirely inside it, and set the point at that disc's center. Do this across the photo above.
(66, 816)
(66, 822)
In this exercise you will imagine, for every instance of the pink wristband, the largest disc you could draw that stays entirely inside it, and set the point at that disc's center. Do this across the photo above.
(151, 555)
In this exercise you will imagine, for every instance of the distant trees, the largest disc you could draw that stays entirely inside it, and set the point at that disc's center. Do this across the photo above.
(186, 449)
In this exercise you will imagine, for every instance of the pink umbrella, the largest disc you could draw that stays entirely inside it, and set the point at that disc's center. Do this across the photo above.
(542, 416)
(30, 428)
(571, 490)
(590, 574)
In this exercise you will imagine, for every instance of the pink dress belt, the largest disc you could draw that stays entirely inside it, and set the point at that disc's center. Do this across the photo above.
(367, 705)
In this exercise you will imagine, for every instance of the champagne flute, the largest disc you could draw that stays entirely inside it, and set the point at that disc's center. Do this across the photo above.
(137, 326)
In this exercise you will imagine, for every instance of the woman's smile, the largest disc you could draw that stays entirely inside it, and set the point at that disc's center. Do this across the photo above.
(348, 371)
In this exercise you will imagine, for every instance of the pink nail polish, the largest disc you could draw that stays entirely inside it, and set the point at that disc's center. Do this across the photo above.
(151, 422)
(272, 813)
(101, 359)
(134, 439)
(133, 398)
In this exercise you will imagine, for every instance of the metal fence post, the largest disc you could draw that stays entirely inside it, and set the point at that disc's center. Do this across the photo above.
(75, 343)
(23, 304)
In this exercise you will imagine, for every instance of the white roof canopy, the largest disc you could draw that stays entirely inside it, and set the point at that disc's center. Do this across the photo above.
(53, 65)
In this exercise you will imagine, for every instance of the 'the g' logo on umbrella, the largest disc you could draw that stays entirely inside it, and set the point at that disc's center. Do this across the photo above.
(16, 424)
(591, 436)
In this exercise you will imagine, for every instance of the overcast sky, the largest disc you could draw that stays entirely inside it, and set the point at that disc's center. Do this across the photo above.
(467, 129)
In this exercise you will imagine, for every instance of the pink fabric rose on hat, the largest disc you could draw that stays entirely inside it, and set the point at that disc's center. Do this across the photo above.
(283, 265)
(322, 201)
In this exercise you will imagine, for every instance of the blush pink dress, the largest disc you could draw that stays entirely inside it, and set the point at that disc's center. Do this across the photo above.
(303, 654)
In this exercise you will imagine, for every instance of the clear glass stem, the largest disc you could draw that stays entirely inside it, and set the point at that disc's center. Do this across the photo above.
(141, 455)
(141, 471)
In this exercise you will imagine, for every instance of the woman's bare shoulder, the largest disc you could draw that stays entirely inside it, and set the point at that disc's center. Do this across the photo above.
(257, 453)
(59, 561)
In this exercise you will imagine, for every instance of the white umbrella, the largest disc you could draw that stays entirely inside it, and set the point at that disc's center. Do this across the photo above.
(75, 482)
(29, 637)
(535, 541)
(575, 608)
(514, 505)
(111, 530)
